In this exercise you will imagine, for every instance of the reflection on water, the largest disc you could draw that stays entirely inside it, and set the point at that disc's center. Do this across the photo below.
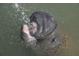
(65, 14)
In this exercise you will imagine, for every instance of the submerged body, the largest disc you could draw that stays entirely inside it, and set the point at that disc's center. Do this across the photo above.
(43, 32)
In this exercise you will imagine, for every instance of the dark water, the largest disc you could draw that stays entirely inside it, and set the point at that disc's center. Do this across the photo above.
(67, 16)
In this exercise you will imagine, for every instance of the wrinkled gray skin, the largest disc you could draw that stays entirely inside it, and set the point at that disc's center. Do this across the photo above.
(46, 35)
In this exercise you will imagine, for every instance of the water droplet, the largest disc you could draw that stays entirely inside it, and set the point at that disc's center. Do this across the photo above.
(16, 5)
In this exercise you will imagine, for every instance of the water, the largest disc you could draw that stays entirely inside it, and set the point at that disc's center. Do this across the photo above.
(67, 16)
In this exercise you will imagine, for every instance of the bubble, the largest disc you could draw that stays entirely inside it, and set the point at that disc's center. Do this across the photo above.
(21, 13)
(16, 5)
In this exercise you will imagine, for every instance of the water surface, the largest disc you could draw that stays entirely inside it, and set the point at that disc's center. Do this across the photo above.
(67, 16)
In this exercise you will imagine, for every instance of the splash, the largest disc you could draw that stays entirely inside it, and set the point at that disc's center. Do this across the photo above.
(20, 13)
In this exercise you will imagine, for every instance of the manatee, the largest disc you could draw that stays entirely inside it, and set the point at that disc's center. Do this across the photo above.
(43, 31)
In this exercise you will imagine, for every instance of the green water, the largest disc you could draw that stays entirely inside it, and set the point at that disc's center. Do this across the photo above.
(67, 16)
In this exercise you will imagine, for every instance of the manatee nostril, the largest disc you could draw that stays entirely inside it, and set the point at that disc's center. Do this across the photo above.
(53, 39)
(33, 28)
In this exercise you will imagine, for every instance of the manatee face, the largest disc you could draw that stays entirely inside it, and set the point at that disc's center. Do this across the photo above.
(43, 29)
(45, 24)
